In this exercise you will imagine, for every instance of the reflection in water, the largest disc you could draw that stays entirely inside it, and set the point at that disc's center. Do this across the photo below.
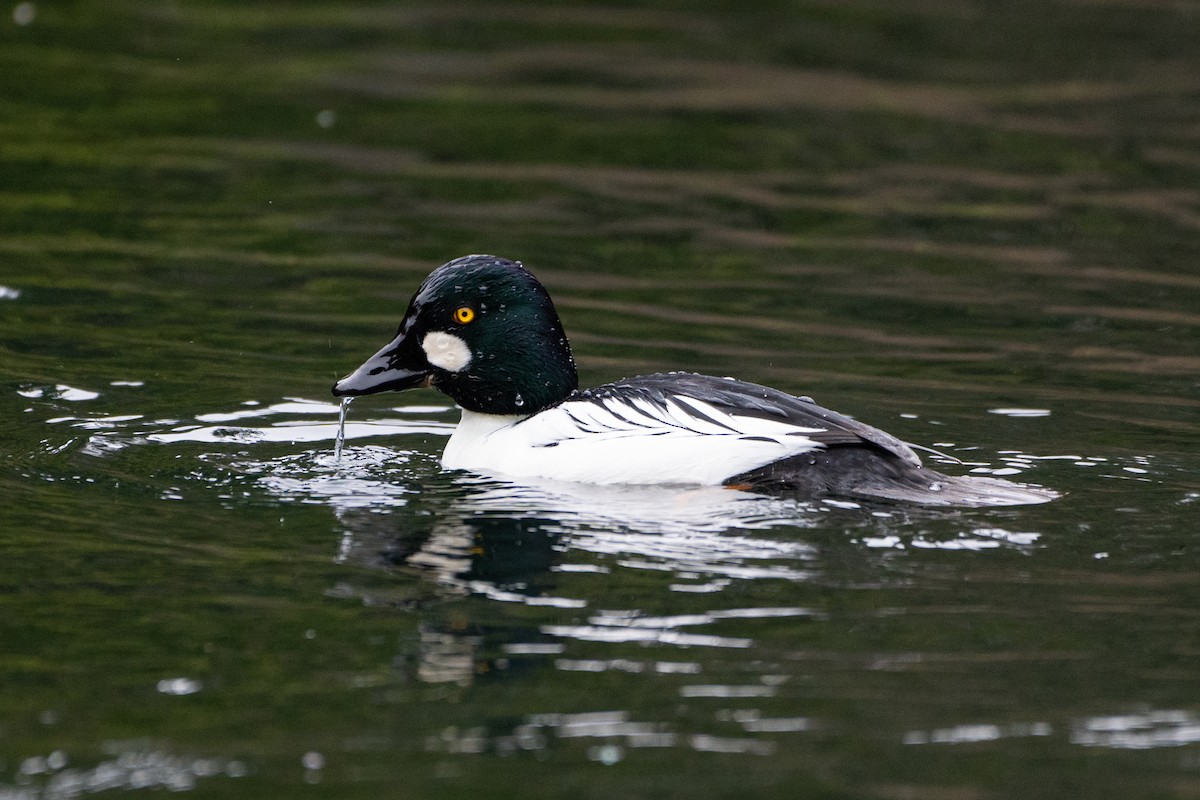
(981, 732)
(477, 550)
(132, 766)
(1138, 731)
(360, 480)
(1141, 731)
(616, 729)
(491, 531)
(448, 657)
(981, 538)
(59, 391)
(508, 543)
(1153, 729)
(291, 429)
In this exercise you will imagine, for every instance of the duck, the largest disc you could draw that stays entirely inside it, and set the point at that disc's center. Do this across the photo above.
(484, 331)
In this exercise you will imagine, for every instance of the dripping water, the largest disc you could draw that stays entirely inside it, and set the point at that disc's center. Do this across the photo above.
(341, 431)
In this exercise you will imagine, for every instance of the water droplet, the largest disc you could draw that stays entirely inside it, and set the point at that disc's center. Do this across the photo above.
(607, 754)
(24, 14)
(519, 401)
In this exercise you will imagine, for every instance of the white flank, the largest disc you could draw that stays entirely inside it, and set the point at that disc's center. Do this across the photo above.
(624, 441)
(446, 351)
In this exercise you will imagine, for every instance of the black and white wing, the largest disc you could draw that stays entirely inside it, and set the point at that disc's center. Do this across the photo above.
(676, 428)
(749, 400)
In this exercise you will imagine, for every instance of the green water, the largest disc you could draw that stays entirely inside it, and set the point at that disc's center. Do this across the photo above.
(973, 225)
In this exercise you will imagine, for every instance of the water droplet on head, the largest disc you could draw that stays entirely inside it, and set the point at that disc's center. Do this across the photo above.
(519, 401)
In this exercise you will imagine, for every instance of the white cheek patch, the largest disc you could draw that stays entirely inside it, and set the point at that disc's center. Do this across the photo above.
(446, 351)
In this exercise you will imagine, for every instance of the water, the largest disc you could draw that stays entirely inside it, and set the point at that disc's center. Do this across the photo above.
(211, 212)
(340, 442)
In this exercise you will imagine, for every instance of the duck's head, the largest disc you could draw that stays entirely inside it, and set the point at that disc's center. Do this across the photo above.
(484, 331)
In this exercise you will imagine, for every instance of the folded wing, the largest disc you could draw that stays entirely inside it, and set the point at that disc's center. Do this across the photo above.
(679, 428)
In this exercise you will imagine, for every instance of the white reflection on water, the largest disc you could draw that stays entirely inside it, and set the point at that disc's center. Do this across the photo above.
(704, 537)
(977, 732)
(697, 534)
(597, 633)
(540, 731)
(360, 479)
(59, 391)
(974, 539)
(725, 691)
(288, 422)
(611, 664)
(291, 430)
(752, 721)
(652, 509)
(1167, 728)
(1139, 731)
(631, 626)
(179, 686)
(131, 767)
(722, 744)
(1020, 412)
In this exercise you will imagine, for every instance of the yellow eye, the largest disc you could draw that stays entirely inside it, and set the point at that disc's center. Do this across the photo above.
(464, 315)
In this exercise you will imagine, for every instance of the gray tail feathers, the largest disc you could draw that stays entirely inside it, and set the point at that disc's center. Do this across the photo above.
(867, 473)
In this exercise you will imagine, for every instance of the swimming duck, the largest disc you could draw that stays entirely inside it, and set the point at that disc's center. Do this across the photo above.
(483, 330)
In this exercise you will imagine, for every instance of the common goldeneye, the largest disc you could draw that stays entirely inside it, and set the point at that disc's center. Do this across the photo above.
(484, 331)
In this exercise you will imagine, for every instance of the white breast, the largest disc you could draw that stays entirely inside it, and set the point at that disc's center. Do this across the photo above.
(621, 440)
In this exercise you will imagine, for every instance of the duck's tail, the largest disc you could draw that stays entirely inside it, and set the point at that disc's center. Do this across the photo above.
(867, 473)
(936, 489)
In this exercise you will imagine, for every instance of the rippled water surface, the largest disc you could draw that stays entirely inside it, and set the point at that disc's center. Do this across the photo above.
(973, 225)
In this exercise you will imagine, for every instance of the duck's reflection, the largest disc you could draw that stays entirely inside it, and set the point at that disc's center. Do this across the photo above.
(462, 555)
(451, 536)
(512, 542)
(454, 555)
(484, 536)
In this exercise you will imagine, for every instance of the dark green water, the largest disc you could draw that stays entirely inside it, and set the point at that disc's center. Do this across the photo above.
(925, 215)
